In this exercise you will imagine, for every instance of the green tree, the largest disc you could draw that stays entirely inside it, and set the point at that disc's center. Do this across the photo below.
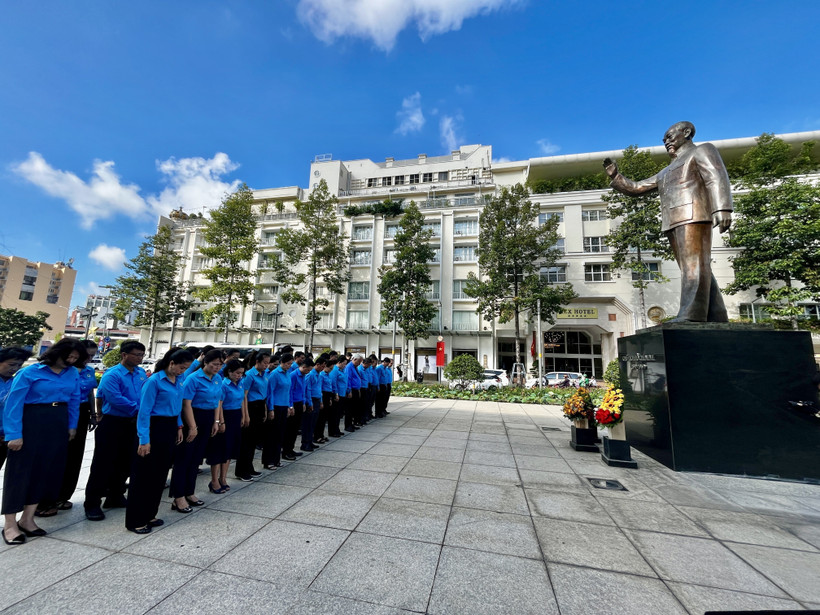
(512, 249)
(464, 369)
(317, 251)
(231, 243)
(637, 234)
(777, 227)
(112, 357)
(404, 285)
(20, 329)
(151, 286)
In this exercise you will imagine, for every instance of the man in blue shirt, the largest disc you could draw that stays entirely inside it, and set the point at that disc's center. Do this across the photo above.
(339, 378)
(300, 402)
(119, 390)
(354, 402)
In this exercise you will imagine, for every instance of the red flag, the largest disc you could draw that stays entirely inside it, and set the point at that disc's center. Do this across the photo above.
(532, 346)
(439, 354)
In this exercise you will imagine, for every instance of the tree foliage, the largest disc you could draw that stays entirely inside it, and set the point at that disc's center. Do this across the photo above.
(464, 368)
(112, 357)
(20, 329)
(230, 235)
(590, 181)
(315, 252)
(777, 227)
(404, 285)
(387, 208)
(151, 286)
(512, 249)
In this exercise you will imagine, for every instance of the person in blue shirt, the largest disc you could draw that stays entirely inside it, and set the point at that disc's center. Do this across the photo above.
(228, 355)
(280, 408)
(201, 392)
(159, 432)
(343, 397)
(328, 386)
(300, 402)
(76, 447)
(119, 391)
(39, 418)
(197, 362)
(11, 360)
(354, 400)
(298, 359)
(313, 394)
(389, 374)
(255, 385)
(381, 383)
(230, 413)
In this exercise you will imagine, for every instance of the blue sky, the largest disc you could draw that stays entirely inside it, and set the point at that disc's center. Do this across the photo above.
(111, 112)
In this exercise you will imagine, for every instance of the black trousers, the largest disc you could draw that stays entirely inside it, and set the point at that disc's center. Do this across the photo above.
(252, 436)
(115, 441)
(148, 473)
(292, 427)
(381, 400)
(309, 423)
(190, 454)
(4, 449)
(274, 436)
(35, 472)
(73, 462)
(351, 407)
(323, 416)
(337, 413)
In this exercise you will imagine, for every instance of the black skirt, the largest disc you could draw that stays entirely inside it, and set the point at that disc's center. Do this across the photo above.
(35, 472)
(225, 446)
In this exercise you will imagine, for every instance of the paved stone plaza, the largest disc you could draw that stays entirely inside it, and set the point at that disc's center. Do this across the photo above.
(442, 507)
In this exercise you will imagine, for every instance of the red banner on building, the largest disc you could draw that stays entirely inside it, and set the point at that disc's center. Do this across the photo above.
(439, 354)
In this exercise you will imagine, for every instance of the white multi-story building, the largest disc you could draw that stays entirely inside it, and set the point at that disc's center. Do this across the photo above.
(450, 191)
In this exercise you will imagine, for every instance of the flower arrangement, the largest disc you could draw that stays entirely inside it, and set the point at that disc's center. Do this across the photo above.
(580, 406)
(610, 413)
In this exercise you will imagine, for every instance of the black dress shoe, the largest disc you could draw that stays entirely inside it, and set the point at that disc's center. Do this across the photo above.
(194, 502)
(115, 502)
(185, 510)
(17, 540)
(244, 479)
(297, 453)
(273, 466)
(156, 523)
(288, 457)
(33, 533)
(350, 429)
(94, 514)
(254, 473)
(140, 530)
(336, 435)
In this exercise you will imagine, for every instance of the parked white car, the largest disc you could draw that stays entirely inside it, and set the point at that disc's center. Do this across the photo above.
(554, 379)
(493, 379)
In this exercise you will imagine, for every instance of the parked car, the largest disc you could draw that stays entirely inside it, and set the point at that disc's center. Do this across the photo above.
(554, 379)
(493, 379)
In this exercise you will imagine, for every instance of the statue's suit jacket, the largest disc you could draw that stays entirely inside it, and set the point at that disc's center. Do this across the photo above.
(694, 186)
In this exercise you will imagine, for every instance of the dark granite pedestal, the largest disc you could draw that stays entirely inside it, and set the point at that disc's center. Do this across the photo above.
(712, 397)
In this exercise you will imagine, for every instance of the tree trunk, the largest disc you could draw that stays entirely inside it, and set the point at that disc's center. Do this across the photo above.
(642, 294)
(517, 339)
(312, 305)
(228, 315)
(151, 332)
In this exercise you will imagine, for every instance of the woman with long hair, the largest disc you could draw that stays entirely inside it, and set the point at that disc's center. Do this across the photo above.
(230, 414)
(11, 360)
(201, 393)
(256, 390)
(159, 429)
(39, 419)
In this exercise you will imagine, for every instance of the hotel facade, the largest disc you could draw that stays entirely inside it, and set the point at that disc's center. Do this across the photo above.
(451, 191)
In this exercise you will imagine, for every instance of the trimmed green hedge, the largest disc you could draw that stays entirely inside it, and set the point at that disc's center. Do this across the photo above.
(547, 395)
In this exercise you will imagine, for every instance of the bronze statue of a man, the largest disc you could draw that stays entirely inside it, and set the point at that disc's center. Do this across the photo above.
(695, 195)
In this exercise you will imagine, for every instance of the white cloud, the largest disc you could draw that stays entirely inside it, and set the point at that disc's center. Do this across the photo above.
(464, 90)
(109, 257)
(382, 20)
(447, 129)
(501, 160)
(547, 148)
(192, 183)
(411, 118)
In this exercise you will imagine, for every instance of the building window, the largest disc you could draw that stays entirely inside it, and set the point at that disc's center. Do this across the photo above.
(559, 245)
(358, 290)
(361, 257)
(358, 319)
(205, 263)
(269, 238)
(325, 320)
(593, 215)
(390, 256)
(554, 275)
(391, 230)
(436, 255)
(434, 227)
(268, 292)
(542, 218)
(362, 233)
(647, 276)
(595, 244)
(427, 177)
(265, 260)
(597, 273)
(811, 310)
(51, 298)
(29, 280)
(464, 320)
(26, 295)
(464, 254)
(387, 181)
(465, 227)
(443, 176)
(463, 199)
(414, 179)
(372, 182)
(399, 180)
(434, 294)
(458, 289)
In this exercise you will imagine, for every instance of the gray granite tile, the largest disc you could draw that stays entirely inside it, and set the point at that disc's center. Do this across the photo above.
(432, 469)
(636, 490)
(580, 508)
(701, 562)
(108, 534)
(288, 555)
(394, 450)
(233, 595)
(485, 530)
(264, 500)
(552, 481)
(412, 431)
(488, 437)
(41, 562)
(584, 544)
(317, 603)
(489, 474)
(686, 495)
(700, 599)
(809, 532)
(489, 447)
(503, 460)
(364, 436)
(359, 481)
(406, 519)
(443, 432)
(651, 516)
(746, 528)
(367, 567)
(324, 508)
(404, 439)
(445, 442)
(199, 539)
(544, 464)
(584, 591)
(334, 459)
(121, 583)
(435, 453)
(797, 572)
(481, 583)
(379, 463)
(422, 489)
(299, 475)
(348, 445)
(542, 450)
(498, 498)
(771, 504)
